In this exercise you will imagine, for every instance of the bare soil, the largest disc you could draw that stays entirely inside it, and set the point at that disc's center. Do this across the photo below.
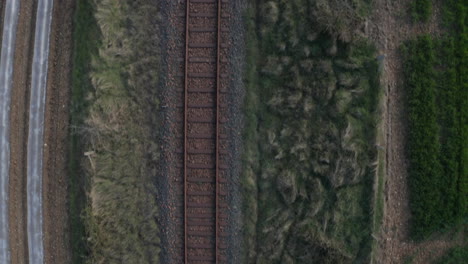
(19, 132)
(56, 145)
(390, 26)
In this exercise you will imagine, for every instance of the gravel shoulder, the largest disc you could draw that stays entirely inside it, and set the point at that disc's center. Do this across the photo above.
(18, 132)
(389, 27)
(56, 147)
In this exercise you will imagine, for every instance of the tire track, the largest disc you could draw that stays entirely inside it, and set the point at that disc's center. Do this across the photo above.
(36, 132)
(6, 72)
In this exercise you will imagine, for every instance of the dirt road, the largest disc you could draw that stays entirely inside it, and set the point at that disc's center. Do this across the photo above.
(6, 73)
(36, 131)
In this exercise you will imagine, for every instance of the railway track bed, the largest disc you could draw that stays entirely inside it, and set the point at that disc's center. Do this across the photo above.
(203, 145)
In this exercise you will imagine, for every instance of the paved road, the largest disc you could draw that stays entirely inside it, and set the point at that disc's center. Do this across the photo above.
(6, 72)
(36, 131)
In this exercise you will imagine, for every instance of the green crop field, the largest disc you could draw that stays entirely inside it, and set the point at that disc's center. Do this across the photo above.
(437, 99)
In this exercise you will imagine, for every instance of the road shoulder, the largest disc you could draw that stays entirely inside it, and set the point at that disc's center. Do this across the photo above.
(55, 177)
(18, 132)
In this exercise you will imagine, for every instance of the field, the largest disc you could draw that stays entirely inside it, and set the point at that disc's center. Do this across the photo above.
(312, 94)
(436, 83)
(116, 60)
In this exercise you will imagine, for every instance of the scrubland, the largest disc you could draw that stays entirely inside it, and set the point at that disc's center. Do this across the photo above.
(311, 107)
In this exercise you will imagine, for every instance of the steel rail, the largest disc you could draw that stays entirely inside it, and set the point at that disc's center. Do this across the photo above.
(217, 129)
(187, 17)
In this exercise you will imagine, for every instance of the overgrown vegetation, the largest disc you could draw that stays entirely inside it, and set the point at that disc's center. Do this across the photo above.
(421, 10)
(437, 96)
(115, 105)
(309, 152)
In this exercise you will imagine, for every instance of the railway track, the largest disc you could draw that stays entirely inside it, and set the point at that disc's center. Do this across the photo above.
(205, 207)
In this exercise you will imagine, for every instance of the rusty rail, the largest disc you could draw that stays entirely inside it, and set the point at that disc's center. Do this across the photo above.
(218, 66)
(187, 12)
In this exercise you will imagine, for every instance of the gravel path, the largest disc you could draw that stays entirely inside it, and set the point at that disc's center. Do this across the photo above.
(6, 72)
(36, 131)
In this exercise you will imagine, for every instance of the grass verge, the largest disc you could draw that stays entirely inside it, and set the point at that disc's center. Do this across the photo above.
(86, 36)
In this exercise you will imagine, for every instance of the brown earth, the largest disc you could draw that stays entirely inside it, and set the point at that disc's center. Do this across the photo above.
(19, 132)
(57, 247)
(389, 27)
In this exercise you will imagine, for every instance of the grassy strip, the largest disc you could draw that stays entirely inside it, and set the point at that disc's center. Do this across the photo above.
(378, 200)
(86, 42)
(421, 10)
(250, 135)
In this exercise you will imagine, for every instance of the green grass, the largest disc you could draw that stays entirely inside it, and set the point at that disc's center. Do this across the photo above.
(455, 255)
(421, 10)
(86, 42)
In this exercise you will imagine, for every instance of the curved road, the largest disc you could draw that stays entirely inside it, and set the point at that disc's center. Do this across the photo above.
(6, 72)
(36, 131)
